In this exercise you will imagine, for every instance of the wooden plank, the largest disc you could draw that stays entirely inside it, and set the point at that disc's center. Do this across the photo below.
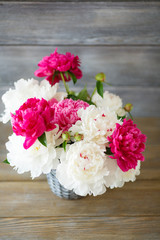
(145, 100)
(122, 228)
(140, 198)
(121, 1)
(150, 127)
(150, 169)
(129, 67)
(123, 66)
(94, 23)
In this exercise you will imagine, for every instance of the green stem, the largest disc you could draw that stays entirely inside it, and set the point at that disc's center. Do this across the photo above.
(64, 82)
(108, 83)
(93, 92)
(130, 115)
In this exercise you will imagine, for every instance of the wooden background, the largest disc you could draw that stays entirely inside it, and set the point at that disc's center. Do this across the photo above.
(122, 39)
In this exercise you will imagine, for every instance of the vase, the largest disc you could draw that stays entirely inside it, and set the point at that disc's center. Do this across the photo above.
(58, 189)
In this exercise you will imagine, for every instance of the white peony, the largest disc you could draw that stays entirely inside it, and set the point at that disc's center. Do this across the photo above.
(95, 124)
(83, 169)
(121, 112)
(116, 177)
(25, 89)
(109, 100)
(37, 159)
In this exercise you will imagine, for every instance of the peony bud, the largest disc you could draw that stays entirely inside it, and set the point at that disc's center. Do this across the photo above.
(128, 107)
(100, 77)
(66, 136)
(78, 137)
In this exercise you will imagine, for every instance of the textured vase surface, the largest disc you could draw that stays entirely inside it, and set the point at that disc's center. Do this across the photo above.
(58, 189)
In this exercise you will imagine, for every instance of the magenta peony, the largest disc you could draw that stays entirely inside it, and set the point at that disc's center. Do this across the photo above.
(32, 119)
(59, 63)
(66, 112)
(127, 145)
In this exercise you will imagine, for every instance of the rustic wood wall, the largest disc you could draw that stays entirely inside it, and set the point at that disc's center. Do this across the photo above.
(121, 39)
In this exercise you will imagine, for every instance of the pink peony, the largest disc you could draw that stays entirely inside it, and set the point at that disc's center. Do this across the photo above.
(52, 101)
(127, 145)
(59, 63)
(32, 119)
(66, 113)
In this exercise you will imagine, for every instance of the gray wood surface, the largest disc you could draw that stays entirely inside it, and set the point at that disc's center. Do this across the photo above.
(95, 23)
(124, 66)
(144, 99)
(121, 39)
(133, 71)
(88, 1)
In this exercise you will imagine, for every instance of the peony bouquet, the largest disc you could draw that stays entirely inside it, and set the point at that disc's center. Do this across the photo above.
(86, 138)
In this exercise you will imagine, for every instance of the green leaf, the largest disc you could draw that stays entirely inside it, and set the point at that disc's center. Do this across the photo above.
(6, 161)
(42, 139)
(73, 77)
(64, 144)
(121, 117)
(83, 94)
(72, 96)
(99, 86)
(108, 151)
(90, 102)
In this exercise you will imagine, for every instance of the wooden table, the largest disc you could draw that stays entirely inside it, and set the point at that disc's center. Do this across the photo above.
(29, 210)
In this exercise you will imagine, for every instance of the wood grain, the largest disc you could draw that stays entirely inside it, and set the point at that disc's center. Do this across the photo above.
(133, 72)
(140, 198)
(89, 1)
(30, 209)
(123, 66)
(95, 23)
(150, 169)
(121, 39)
(145, 100)
(129, 228)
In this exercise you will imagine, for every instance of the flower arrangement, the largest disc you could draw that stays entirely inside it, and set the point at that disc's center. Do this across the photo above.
(85, 137)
